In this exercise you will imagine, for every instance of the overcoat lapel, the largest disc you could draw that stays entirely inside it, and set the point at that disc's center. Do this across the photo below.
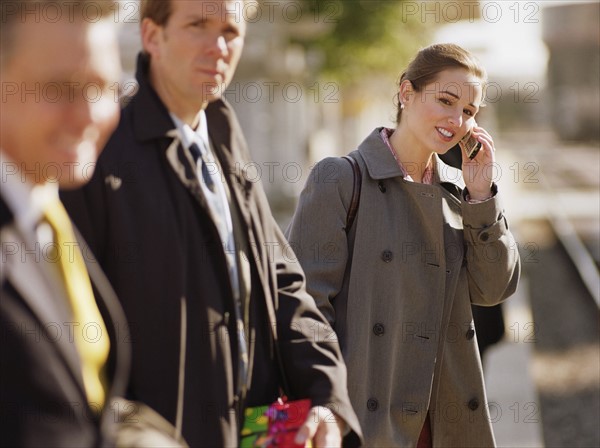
(183, 166)
(230, 148)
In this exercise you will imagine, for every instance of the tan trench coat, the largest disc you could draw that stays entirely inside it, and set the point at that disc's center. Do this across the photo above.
(400, 300)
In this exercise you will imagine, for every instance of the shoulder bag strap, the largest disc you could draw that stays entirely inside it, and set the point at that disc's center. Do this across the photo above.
(353, 209)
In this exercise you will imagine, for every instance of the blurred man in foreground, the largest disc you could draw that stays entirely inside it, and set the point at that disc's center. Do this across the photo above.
(60, 359)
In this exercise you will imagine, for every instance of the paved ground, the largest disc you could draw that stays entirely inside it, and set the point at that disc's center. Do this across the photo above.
(511, 390)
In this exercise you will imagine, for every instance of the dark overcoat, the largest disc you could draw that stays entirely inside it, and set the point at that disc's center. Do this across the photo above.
(162, 252)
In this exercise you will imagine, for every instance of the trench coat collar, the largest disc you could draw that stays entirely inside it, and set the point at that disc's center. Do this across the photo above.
(445, 173)
(378, 158)
(381, 164)
(151, 119)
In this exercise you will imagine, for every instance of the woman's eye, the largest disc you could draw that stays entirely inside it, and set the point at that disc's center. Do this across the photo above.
(445, 101)
(468, 112)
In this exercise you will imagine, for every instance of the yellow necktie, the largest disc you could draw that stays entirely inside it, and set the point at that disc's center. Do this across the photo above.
(89, 332)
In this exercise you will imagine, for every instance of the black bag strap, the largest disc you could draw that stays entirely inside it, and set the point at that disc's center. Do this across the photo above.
(353, 209)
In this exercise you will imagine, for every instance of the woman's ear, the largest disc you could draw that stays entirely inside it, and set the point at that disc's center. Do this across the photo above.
(406, 93)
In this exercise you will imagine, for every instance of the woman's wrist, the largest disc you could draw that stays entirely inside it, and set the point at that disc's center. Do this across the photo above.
(477, 197)
(480, 197)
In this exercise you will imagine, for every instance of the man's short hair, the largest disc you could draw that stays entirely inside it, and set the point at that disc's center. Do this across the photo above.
(159, 11)
(18, 11)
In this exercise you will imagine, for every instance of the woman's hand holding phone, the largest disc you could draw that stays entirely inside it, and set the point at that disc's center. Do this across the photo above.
(478, 168)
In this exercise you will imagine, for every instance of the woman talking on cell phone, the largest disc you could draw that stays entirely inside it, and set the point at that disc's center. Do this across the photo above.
(396, 246)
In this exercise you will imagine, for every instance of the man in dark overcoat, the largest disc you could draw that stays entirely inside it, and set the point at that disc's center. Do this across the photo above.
(218, 312)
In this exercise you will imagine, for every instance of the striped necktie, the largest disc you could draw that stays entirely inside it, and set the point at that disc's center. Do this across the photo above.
(89, 332)
(200, 157)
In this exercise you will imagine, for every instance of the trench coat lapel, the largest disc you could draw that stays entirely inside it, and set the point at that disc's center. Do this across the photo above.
(230, 149)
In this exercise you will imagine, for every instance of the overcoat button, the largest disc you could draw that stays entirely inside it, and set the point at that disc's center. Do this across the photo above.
(378, 329)
(372, 404)
(470, 334)
(473, 404)
(387, 256)
(484, 236)
(381, 187)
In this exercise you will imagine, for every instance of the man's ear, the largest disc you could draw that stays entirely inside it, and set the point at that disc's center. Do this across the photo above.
(150, 33)
(407, 92)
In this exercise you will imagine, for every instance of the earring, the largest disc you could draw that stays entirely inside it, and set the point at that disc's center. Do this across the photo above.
(402, 106)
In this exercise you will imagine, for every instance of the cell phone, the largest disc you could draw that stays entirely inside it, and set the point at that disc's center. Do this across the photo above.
(470, 145)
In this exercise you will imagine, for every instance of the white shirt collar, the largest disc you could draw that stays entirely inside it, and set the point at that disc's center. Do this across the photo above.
(26, 200)
(187, 134)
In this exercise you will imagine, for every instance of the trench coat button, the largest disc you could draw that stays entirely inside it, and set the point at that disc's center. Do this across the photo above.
(387, 256)
(372, 404)
(473, 404)
(378, 329)
(470, 333)
(381, 186)
(484, 236)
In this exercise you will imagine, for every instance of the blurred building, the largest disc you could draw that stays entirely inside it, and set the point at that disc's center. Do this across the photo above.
(507, 39)
(572, 35)
(280, 104)
(292, 117)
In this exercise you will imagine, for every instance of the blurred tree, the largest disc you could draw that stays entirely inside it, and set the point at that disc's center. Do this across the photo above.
(362, 38)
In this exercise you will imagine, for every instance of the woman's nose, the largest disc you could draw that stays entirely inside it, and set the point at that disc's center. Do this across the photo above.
(456, 120)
